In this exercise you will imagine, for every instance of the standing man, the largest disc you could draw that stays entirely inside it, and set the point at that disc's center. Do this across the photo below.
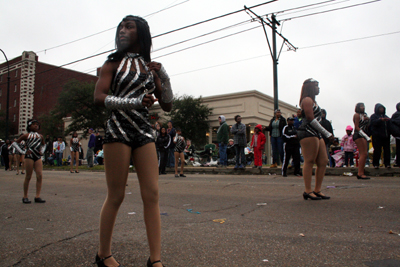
(239, 139)
(291, 147)
(98, 142)
(59, 148)
(90, 151)
(298, 119)
(328, 126)
(171, 149)
(222, 139)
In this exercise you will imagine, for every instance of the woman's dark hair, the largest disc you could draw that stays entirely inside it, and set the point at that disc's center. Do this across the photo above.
(144, 38)
(74, 134)
(308, 89)
(165, 133)
(29, 123)
(358, 107)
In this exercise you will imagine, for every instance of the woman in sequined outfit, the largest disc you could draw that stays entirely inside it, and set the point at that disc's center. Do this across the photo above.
(133, 80)
(74, 146)
(35, 148)
(361, 120)
(310, 135)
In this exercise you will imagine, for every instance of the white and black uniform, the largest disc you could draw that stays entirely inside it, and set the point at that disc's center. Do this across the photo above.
(34, 145)
(180, 144)
(363, 123)
(75, 144)
(22, 150)
(305, 129)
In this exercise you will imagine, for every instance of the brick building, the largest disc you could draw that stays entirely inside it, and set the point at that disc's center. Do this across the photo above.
(34, 88)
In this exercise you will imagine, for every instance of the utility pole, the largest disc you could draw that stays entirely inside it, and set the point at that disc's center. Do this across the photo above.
(8, 93)
(272, 23)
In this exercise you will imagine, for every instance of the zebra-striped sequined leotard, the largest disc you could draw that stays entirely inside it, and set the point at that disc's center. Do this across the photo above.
(305, 129)
(362, 124)
(34, 145)
(75, 144)
(131, 127)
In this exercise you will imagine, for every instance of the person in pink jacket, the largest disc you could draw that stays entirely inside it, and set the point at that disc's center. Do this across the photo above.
(257, 144)
(348, 146)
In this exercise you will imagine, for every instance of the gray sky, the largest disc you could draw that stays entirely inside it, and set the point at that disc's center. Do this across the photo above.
(365, 70)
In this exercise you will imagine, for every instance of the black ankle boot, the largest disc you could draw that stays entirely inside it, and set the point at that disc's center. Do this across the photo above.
(150, 264)
(100, 262)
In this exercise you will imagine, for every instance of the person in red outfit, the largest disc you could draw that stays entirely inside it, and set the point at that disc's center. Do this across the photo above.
(257, 144)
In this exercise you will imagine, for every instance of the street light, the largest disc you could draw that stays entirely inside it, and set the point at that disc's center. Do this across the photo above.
(8, 93)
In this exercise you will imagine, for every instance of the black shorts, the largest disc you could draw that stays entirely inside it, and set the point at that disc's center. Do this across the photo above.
(357, 135)
(301, 134)
(32, 157)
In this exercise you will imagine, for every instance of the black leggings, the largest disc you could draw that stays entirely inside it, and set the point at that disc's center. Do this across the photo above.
(162, 161)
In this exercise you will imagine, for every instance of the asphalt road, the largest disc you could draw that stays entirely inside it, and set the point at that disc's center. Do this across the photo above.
(266, 221)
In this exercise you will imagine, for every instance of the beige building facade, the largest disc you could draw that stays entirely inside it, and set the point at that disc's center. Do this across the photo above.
(253, 106)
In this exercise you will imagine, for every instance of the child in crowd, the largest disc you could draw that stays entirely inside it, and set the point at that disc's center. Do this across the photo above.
(179, 142)
(257, 144)
(349, 147)
(336, 153)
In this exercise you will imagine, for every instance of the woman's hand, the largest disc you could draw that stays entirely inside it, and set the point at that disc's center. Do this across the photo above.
(148, 100)
(154, 66)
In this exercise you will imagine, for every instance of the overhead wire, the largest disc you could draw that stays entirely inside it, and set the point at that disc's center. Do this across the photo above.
(97, 33)
(330, 10)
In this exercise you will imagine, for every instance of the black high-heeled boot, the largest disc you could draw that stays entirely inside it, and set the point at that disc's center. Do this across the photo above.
(308, 196)
(150, 264)
(320, 195)
(100, 261)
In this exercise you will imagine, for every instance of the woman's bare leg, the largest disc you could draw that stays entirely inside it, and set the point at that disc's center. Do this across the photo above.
(309, 147)
(117, 157)
(16, 159)
(71, 165)
(147, 171)
(176, 154)
(22, 160)
(38, 165)
(321, 160)
(28, 175)
(10, 162)
(76, 160)
(362, 146)
(182, 156)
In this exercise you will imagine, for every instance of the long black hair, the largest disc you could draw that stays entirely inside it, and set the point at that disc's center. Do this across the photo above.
(144, 38)
(358, 107)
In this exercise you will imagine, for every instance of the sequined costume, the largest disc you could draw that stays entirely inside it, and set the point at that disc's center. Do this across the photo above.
(179, 145)
(11, 149)
(22, 147)
(363, 124)
(34, 145)
(305, 129)
(75, 144)
(131, 126)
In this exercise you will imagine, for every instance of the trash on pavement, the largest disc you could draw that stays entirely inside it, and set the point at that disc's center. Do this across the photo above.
(261, 204)
(331, 186)
(164, 213)
(131, 213)
(380, 207)
(129, 193)
(347, 174)
(219, 220)
(302, 235)
(191, 211)
(265, 260)
(29, 229)
(393, 233)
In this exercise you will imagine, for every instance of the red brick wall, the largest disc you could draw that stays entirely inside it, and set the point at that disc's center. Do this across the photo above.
(48, 85)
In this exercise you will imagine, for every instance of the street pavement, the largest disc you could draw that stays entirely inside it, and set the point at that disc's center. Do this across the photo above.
(265, 221)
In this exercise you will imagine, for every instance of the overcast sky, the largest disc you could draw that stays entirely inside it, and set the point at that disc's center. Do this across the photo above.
(332, 47)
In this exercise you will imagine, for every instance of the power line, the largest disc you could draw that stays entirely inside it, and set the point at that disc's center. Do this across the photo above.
(326, 11)
(305, 47)
(334, 3)
(202, 35)
(213, 40)
(94, 34)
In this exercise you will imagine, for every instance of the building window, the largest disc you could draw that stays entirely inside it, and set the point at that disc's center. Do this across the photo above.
(15, 102)
(15, 88)
(16, 73)
(15, 118)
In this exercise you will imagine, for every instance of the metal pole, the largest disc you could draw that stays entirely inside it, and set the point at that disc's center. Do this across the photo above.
(8, 93)
(275, 62)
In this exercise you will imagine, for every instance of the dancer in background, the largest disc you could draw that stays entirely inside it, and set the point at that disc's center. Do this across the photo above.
(74, 146)
(179, 142)
(132, 79)
(35, 148)
(361, 120)
(310, 135)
